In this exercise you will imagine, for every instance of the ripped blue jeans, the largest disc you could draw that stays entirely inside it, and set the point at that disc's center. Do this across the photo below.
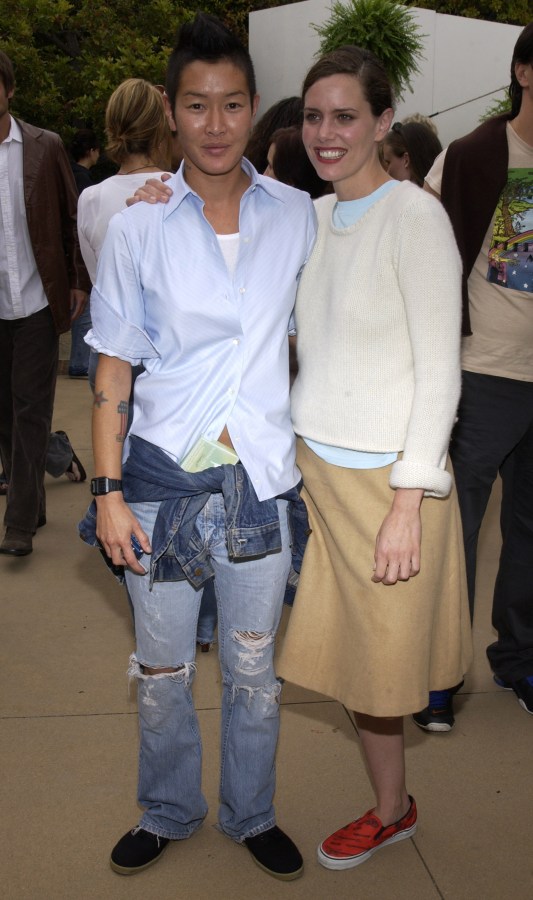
(249, 595)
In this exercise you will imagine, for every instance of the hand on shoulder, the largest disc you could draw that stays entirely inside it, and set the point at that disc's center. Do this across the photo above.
(154, 191)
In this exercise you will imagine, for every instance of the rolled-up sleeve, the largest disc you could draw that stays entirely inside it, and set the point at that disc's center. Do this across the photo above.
(117, 304)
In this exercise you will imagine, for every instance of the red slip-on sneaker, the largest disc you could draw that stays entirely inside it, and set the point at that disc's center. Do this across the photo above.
(356, 842)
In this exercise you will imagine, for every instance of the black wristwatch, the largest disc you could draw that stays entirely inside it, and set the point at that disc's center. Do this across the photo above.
(105, 485)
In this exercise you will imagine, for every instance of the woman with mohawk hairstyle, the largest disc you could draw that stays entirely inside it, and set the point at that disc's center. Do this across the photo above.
(201, 290)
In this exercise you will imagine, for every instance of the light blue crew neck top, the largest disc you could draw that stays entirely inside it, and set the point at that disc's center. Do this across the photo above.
(345, 214)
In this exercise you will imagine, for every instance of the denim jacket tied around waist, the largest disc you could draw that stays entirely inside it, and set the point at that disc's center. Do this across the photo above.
(178, 553)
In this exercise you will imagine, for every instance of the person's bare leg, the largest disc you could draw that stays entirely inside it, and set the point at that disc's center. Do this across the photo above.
(383, 750)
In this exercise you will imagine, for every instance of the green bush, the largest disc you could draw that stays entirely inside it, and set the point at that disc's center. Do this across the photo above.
(518, 12)
(385, 27)
(70, 55)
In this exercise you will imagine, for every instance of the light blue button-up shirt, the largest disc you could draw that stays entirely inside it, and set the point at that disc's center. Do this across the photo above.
(214, 347)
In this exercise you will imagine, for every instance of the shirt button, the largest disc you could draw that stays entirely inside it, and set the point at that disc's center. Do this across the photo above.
(197, 572)
(236, 341)
(231, 392)
(246, 240)
(242, 290)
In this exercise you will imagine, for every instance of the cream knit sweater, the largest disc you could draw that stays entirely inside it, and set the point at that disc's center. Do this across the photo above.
(378, 316)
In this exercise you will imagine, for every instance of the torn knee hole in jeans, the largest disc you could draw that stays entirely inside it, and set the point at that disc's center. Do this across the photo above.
(255, 653)
(267, 694)
(253, 639)
(183, 673)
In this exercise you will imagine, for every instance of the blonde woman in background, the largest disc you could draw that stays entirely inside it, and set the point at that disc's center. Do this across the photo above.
(138, 141)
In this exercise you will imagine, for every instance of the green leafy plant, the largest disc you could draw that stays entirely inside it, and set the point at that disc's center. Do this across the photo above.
(496, 108)
(385, 27)
(516, 13)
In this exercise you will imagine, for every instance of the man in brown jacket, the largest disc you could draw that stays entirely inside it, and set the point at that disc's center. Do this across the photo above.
(43, 288)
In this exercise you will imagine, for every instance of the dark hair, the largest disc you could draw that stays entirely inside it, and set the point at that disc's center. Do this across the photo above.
(207, 39)
(292, 164)
(364, 66)
(420, 142)
(82, 143)
(7, 75)
(523, 53)
(283, 114)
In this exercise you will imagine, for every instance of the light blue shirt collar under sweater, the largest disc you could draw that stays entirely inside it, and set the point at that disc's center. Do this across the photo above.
(345, 214)
(348, 212)
(214, 346)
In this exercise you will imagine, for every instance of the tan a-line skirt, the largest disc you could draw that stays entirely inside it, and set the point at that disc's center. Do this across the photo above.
(378, 649)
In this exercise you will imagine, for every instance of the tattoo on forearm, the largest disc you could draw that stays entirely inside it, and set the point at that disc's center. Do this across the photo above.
(122, 410)
(99, 399)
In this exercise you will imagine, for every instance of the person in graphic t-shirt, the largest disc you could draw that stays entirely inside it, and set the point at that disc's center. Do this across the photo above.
(485, 181)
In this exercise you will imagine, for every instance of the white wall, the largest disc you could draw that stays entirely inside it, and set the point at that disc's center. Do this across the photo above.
(463, 59)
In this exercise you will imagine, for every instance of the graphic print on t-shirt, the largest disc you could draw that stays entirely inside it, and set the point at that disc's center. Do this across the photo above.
(511, 247)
